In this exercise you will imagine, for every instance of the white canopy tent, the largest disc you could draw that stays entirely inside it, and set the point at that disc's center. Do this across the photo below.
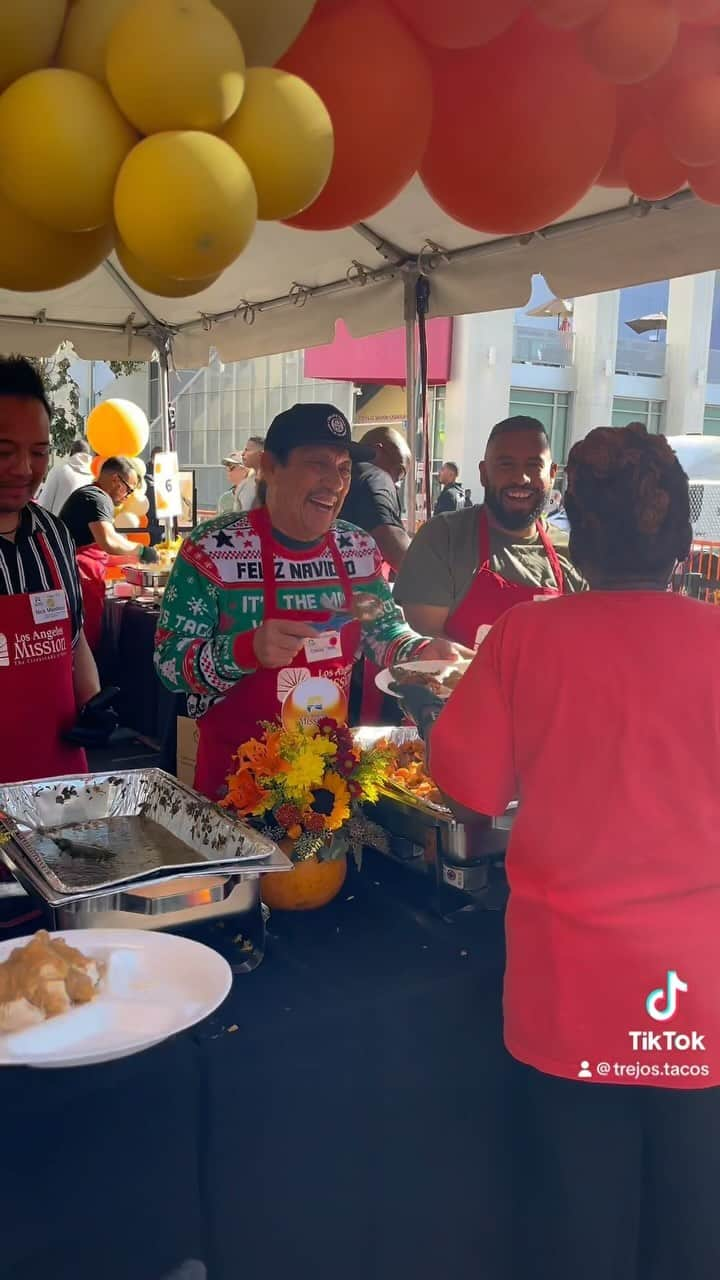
(289, 287)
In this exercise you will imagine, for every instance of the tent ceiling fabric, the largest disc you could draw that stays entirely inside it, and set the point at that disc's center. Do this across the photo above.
(604, 243)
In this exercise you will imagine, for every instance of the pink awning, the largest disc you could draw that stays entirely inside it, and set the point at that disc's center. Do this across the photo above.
(380, 358)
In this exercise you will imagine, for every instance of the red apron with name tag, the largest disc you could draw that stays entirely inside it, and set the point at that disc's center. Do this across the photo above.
(304, 690)
(489, 595)
(36, 686)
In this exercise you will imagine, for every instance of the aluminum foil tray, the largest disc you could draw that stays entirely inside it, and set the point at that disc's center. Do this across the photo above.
(122, 829)
(399, 735)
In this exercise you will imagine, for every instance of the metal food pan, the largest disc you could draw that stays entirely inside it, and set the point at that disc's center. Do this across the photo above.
(142, 825)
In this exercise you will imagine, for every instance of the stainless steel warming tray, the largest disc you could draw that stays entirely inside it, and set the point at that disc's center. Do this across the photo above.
(118, 831)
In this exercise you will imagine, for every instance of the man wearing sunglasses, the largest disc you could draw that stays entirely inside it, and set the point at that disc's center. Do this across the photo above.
(89, 515)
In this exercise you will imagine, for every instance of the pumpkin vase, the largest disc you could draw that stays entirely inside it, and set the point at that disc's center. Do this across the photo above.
(310, 884)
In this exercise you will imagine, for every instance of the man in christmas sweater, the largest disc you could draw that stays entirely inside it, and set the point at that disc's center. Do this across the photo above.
(266, 611)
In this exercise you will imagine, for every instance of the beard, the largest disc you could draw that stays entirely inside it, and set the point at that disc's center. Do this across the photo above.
(507, 517)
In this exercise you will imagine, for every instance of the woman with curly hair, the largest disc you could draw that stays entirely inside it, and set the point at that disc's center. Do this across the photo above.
(601, 713)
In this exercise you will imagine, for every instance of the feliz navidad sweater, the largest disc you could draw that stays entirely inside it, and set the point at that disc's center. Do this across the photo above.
(214, 601)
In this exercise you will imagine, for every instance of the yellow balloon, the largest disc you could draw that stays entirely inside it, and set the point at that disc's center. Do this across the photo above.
(267, 28)
(185, 204)
(175, 64)
(34, 258)
(284, 133)
(153, 281)
(62, 142)
(85, 38)
(29, 34)
(117, 427)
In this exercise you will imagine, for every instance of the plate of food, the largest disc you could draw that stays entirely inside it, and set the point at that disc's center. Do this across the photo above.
(92, 995)
(437, 677)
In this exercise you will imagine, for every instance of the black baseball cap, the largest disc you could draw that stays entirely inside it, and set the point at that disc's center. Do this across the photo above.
(314, 424)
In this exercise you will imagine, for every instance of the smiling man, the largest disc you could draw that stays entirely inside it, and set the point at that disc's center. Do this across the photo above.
(266, 610)
(466, 568)
(47, 674)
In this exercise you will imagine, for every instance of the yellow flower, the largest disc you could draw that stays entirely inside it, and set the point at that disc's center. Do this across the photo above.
(333, 783)
(305, 770)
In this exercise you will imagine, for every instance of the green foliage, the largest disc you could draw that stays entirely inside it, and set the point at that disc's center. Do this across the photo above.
(64, 395)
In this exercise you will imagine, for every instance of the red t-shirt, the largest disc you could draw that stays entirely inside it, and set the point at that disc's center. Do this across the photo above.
(601, 714)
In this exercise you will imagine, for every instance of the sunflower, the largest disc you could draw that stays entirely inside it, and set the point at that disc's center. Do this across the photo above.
(332, 800)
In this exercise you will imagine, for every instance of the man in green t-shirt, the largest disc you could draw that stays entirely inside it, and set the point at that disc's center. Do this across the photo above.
(465, 568)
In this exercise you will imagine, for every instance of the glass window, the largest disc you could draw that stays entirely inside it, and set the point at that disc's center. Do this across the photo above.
(649, 412)
(711, 425)
(551, 408)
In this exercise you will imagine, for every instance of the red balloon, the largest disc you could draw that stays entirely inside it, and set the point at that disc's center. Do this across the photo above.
(697, 53)
(493, 160)
(699, 11)
(633, 110)
(649, 169)
(690, 122)
(568, 14)
(459, 24)
(375, 81)
(631, 41)
(706, 184)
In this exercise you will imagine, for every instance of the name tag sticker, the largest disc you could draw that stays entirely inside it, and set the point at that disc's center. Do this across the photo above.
(321, 648)
(541, 599)
(48, 606)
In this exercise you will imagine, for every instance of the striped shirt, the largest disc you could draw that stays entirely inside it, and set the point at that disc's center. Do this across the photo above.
(25, 567)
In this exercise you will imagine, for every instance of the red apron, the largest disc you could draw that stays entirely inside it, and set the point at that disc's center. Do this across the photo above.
(36, 684)
(372, 699)
(305, 690)
(490, 596)
(92, 564)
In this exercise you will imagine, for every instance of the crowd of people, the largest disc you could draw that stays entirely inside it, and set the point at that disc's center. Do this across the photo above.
(599, 714)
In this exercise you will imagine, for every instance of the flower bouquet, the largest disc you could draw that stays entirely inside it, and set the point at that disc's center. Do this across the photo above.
(304, 788)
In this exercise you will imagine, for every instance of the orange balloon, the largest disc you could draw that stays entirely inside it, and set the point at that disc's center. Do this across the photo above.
(144, 522)
(706, 183)
(691, 121)
(568, 14)
(492, 161)
(630, 42)
(380, 109)
(649, 169)
(459, 24)
(97, 465)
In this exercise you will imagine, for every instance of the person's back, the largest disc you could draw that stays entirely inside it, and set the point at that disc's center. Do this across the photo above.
(65, 477)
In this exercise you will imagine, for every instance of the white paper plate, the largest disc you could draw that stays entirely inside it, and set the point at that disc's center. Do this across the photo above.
(384, 679)
(155, 985)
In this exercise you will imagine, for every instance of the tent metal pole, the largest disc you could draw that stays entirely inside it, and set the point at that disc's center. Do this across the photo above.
(166, 419)
(410, 287)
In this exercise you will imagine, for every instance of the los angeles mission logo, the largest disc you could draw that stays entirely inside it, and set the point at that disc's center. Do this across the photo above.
(32, 646)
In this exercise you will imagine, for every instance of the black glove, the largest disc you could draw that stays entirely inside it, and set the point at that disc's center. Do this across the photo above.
(421, 704)
(148, 555)
(96, 722)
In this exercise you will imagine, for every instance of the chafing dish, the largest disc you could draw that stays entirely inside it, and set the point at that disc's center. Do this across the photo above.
(427, 838)
(218, 876)
(150, 576)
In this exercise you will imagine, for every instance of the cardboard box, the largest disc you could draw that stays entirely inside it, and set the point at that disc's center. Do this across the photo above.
(187, 746)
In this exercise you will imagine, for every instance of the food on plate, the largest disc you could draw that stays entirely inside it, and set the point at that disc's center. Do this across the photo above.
(408, 771)
(440, 682)
(43, 979)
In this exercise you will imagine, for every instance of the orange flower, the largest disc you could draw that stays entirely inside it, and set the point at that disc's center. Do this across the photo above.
(294, 832)
(263, 757)
(245, 795)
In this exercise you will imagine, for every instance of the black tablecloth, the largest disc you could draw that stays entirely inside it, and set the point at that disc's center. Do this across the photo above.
(126, 660)
(342, 1116)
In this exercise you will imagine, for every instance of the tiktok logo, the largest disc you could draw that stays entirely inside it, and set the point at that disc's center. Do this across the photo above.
(662, 1004)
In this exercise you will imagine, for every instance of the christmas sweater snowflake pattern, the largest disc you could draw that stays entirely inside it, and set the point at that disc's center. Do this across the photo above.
(216, 594)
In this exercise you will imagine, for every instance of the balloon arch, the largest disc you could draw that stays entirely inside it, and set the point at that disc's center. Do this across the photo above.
(167, 138)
